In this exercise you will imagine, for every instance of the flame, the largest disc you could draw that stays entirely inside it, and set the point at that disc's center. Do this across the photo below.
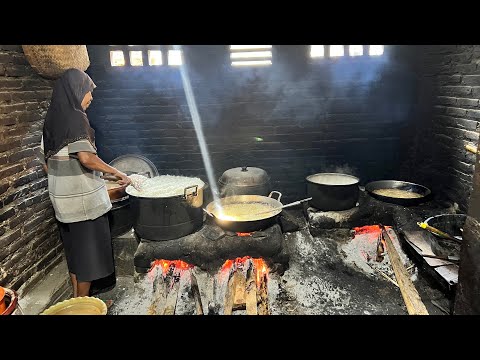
(259, 264)
(165, 265)
(237, 263)
(244, 233)
(261, 268)
(372, 231)
(227, 265)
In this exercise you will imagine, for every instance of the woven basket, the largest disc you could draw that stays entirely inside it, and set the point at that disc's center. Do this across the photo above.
(50, 61)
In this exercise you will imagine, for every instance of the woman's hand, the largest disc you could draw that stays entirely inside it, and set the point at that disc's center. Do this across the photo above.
(124, 180)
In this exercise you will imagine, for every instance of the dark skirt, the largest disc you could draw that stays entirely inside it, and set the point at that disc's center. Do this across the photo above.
(88, 248)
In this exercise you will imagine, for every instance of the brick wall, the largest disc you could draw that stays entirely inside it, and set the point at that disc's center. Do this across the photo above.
(29, 243)
(293, 119)
(448, 119)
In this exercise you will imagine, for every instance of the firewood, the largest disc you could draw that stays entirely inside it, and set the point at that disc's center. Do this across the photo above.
(196, 293)
(384, 275)
(230, 295)
(262, 297)
(412, 299)
(159, 294)
(239, 292)
(171, 302)
(251, 292)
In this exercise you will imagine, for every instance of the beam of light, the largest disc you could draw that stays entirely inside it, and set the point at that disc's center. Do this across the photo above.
(198, 127)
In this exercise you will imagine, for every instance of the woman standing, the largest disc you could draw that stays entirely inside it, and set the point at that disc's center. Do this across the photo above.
(78, 194)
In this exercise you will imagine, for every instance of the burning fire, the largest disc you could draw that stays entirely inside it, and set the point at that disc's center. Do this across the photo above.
(371, 234)
(166, 265)
(244, 234)
(260, 266)
(372, 231)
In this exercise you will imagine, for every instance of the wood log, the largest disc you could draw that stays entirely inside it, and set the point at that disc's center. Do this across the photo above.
(251, 292)
(262, 297)
(158, 293)
(196, 294)
(412, 299)
(171, 302)
(230, 295)
(239, 297)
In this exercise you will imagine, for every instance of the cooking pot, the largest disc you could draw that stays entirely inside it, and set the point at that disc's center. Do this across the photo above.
(333, 191)
(244, 181)
(120, 216)
(166, 218)
(421, 190)
(258, 219)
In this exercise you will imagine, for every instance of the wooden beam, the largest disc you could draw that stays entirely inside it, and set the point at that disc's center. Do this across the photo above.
(412, 299)
(239, 297)
(196, 293)
(262, 297)
(251, 292)
(158, 293)
(171, 302)
(230, 295)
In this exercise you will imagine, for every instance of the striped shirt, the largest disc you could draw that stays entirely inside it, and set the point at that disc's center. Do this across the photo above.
(77, 193)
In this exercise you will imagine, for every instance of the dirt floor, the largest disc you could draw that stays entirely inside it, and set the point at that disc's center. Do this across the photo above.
(327, 274)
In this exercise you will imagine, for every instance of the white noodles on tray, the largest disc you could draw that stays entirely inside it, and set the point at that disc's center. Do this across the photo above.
(165, 186)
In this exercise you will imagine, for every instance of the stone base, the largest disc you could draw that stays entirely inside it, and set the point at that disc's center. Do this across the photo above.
(365, 213)
(209, 247)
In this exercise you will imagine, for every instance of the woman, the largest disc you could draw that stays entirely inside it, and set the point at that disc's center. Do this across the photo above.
(78, 194)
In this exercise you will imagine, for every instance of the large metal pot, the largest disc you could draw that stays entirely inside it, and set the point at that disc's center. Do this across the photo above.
(333, 191)
(244, 181)
(256, 221)
(166, 218)
(120, 217)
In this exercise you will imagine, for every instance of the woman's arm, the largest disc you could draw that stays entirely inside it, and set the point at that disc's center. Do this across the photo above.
(93, 162)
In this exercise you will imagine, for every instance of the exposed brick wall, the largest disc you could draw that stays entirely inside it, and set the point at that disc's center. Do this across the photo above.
(348, 113)
(29, 240)
(448, 119)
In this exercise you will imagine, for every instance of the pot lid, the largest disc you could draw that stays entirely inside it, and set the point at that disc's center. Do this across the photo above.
(245, 176)
(134, 164)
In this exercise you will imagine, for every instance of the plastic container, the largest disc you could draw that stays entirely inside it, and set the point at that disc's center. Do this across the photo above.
(85, 305)
(9, 299)
(3, 303)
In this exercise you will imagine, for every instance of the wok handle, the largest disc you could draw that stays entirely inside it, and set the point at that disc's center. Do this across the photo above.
(193, 193)
(296, 202)
(208, 212)
(275, 192)
(471, 148)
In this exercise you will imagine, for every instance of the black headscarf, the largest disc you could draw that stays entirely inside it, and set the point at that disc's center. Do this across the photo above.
(66, 121)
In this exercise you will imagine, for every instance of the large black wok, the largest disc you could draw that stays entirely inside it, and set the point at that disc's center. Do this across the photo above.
(401, 185)
(259, 220)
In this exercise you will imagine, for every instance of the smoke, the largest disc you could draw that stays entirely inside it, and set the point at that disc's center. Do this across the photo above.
(343, 169)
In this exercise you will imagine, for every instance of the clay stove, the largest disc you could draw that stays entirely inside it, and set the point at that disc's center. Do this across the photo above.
(210, 246)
